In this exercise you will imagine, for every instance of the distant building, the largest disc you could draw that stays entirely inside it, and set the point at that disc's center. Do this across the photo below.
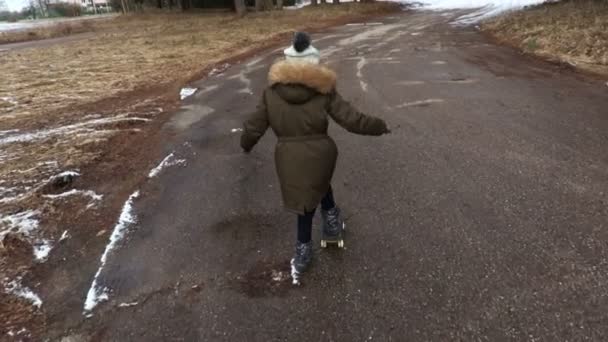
(84, 3)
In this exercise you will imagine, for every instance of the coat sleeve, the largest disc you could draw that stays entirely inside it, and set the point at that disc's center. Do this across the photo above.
(255, 127)
(351, 119)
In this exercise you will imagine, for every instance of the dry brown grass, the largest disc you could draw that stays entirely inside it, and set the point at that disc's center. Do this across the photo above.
(46, 32)
(571, 31)
(133, 51)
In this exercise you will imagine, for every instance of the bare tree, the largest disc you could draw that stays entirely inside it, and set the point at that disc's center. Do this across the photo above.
(94, 6)
(32, 8)
(42, 8)
(264, 5)
(239, 6)
(186, 4)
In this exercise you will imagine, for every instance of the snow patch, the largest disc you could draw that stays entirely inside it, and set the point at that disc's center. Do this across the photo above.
(95, 198)
(64, 236)
(208, 89)
(485, 8)
(71, 173)
(295, 276)
(10, 131)
(235, 130)
(127, 217)
(409, 83)
(10, 195)
(42, 249)
(82, 127)
(278, 276)
(165, 163)
(15, 288)
(362, 62)
(126, 305)
(420, 103)
(247, 84)
(376, 32)
(219, 70)
(24, 223)
(186, 92)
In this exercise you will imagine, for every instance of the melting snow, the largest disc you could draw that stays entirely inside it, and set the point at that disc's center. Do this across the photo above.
(486, 8)
(419, 103)
(126, 305)
(10, 131)
(186, 92)
(15, 288)
(219, 70)
(42, 249)
(10, 100)
(362, 62)
(97, 294)
(295, 276)
(66, 174)
(167, 162)
(28, 191)
(64, 236)
(87, 193)
(82, 127)
(26, 223)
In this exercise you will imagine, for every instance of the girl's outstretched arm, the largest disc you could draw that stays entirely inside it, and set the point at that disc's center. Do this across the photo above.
(351, 119)
(255, 127)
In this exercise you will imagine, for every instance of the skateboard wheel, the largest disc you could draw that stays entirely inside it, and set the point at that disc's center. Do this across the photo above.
(323, 244)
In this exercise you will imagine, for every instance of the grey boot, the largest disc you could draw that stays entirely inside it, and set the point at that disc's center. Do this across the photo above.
(332, 222)
(303, 257)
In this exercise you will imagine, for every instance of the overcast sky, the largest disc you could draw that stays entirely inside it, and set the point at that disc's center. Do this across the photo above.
(15, 5)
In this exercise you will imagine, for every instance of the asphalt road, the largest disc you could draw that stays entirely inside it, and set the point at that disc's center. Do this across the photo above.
(482, 217)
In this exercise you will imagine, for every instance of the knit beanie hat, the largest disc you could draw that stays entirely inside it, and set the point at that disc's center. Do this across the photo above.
(301, 50)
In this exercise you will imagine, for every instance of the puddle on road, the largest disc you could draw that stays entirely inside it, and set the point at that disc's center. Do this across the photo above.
(265, 278)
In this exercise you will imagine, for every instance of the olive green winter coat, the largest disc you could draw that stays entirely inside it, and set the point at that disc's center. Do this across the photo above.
(297, 106)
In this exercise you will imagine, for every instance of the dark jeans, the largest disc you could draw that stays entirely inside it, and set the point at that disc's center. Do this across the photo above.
(305, 221)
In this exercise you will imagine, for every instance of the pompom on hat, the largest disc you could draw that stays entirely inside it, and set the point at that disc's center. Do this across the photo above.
(301, 50)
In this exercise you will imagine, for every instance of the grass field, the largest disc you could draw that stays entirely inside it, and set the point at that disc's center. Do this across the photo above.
(575, 32)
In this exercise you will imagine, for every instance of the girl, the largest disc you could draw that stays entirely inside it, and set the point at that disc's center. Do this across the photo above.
(297, 105)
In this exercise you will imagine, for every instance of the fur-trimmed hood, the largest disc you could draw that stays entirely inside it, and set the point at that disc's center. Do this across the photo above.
(316, 77)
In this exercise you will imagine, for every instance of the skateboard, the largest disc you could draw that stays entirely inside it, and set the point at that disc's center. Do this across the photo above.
(338, 240)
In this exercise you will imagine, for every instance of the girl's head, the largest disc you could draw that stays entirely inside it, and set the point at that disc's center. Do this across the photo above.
(301, 50)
